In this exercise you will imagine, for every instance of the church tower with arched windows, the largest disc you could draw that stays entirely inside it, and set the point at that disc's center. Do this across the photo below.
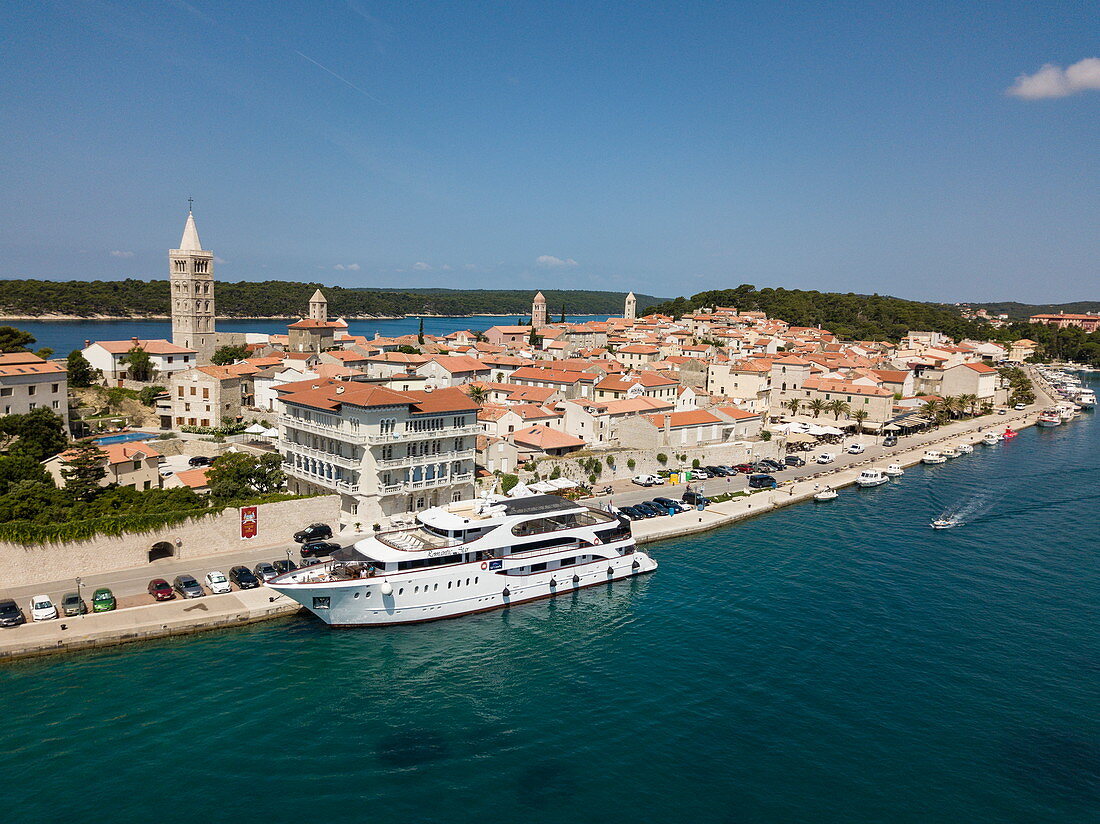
(538, 312)
(191, 279)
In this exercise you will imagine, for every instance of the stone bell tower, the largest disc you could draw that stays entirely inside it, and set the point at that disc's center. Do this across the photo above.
(538, 312)
(191, 279)
(631, 308)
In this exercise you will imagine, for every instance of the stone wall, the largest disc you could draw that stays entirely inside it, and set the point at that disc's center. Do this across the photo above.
(210, 536)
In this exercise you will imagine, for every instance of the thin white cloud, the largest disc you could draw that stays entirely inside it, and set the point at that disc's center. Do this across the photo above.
(218, 259)
(421, 266)
(121, 254)
(551, 262)
(343, 80)
(346, 267)
(470, 267)
(1054, 81)
(446, 267)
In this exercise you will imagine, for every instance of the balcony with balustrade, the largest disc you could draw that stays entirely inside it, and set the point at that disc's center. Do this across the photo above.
(420, 460)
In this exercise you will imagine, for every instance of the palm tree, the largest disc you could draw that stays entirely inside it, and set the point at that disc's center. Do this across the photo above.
(859, 416)
(951, 405)
(838, 408)
(794, 404)
(970, 402)
(930, 409)
(478, 394)
(817, 406)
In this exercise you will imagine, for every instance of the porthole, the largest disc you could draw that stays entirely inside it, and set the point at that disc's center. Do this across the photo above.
(357, 595)
(475, 579)
(401, 591)
(435, 587)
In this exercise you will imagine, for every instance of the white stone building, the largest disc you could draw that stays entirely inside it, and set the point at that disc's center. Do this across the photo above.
(384, 452)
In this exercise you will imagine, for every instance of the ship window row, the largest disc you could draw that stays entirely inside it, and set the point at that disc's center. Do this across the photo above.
(567, 520)
(421, 563)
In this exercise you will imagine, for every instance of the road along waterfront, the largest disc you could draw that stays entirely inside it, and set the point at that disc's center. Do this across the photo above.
(841, 663)
(148, 621)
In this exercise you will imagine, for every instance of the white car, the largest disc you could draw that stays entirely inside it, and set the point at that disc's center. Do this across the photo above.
(166, 472)
(825, 457)
(42, 608)
(1020, 407)
(856, 449)
(647, 480)
(217, 583)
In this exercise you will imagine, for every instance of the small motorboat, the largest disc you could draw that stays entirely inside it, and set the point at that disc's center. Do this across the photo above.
(944, 523)
(991, 439)
(871, 477)
(826, 494)
(933, 457)
(964, 448)
(950, 452)
(894, 470)
(1049, 417)
(1009, 434)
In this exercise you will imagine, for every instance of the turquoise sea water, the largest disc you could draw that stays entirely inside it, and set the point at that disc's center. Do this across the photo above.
(66, 335)
(835, 662)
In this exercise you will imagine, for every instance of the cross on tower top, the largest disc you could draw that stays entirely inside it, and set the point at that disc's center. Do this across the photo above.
(190, 200)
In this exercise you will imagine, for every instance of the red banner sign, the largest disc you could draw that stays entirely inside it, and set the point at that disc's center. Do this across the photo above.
(250, 523)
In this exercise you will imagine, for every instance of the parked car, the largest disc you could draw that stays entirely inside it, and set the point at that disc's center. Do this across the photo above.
(657, 510)
(1001, 412)
(242, 576)
(283, 566)
(161, 590)
(825, 458)
(72, 604)
(668, 503)
(318, 549)
(647, 480)
(717, 471)
(10, 614)
(856, 448)
(794, 460)
(306, 562)
(313, 532)
(700, 474)
(762, 482)
(217, 582)
(187, 586)
(1020, 407)
(695, 498)
(771, 466)
(729, 470)
(632, 513)
(42, 608)
(103, 600)
(166, 471)
(744, 469)
(890, 440)
(264, 571)
(200, 460)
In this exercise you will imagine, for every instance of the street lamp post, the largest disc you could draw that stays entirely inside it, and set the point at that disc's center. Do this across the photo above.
(79, 599)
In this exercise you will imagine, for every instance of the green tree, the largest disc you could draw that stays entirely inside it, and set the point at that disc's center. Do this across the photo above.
(859, 416)
(662, 458)
(838, 408)
(45, 353)
(507, 482)
(478, 394)
(225, 355)
(83, 469)
(816, 406)
(794, 404)
(148, 394)
(139, 364)
(630, 464)
(16, 468)
(81, 372)
(408, 350)
(420, 333)
(534, 339)
(15, 340)
(39, 434)
(237, 476)
(563, 313)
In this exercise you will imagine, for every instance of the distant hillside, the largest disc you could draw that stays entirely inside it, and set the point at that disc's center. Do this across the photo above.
(126, 298)
(1022, 311)
(849, 316)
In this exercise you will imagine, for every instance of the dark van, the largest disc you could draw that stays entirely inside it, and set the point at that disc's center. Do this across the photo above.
(762, 482)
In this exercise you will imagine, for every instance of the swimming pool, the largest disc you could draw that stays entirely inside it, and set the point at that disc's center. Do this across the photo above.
(126, 436)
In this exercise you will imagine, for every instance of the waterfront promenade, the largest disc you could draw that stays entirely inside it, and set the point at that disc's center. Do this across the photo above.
(153, 620)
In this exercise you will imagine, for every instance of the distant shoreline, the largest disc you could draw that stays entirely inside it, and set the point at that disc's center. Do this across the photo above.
(52, 318)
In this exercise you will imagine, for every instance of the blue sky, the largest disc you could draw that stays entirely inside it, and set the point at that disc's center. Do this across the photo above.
(666, 148)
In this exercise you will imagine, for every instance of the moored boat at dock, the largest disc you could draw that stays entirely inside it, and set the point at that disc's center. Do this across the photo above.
(467, 557)
(933, 457)
(894, 470)
(872, 477)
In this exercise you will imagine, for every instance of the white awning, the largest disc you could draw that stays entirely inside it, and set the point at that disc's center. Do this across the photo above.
(255, 429)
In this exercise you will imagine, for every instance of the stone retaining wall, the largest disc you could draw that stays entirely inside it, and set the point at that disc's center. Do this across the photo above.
(212, 535)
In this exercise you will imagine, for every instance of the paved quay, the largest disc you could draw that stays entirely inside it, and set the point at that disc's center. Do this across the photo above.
(147, 621)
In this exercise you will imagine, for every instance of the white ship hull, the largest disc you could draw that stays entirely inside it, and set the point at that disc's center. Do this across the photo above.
(451, 592)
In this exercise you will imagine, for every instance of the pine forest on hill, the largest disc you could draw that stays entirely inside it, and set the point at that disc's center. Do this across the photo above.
(282, 299)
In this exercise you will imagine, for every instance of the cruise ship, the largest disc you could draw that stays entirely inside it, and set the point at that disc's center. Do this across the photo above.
(467, 557)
